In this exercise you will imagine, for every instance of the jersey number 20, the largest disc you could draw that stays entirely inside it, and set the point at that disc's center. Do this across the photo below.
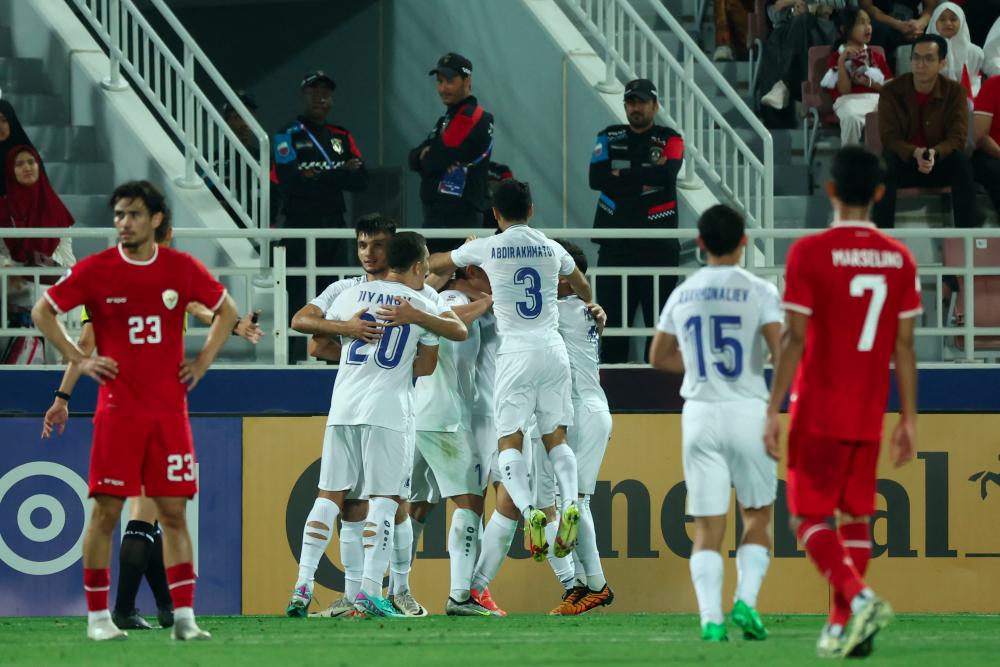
(388, 352)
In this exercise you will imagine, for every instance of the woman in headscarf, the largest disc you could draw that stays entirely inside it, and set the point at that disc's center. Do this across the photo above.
(965, 60)
(11, 134)
(991, 51)
(30, 202)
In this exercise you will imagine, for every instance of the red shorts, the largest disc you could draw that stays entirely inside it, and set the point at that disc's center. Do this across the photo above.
(132, 451)
(827, 474)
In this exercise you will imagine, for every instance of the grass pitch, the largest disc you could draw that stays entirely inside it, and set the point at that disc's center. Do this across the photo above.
(439, 641)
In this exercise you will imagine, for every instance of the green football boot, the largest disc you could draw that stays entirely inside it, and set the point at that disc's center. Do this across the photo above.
(714, 632)
(749, 620)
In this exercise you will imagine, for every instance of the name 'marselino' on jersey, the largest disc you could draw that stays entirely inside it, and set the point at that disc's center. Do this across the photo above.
(717, 315)
(374, 381)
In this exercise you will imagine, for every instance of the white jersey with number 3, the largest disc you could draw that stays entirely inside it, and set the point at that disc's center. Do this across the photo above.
(717, 315)
(523, 266)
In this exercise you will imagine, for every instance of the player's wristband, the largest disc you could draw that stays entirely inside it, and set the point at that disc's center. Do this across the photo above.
(61, 394)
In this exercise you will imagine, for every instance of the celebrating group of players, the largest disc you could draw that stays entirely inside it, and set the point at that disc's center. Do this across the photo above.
(494, 379)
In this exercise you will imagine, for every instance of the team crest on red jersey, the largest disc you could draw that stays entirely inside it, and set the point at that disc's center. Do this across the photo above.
(170, 298)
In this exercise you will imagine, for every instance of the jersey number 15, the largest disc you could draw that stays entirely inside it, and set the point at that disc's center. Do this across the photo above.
(731, 365)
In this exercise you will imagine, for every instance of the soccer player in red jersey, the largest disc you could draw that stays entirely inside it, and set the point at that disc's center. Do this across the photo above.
(136, 293)
(851, 299)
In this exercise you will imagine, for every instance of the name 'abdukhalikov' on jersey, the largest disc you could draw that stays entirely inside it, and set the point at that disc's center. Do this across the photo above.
(375, 380)
(579, 331)
(717, 315)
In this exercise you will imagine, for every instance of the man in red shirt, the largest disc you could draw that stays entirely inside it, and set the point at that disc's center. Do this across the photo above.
(851, 298)
(136, 294)
(986, 159)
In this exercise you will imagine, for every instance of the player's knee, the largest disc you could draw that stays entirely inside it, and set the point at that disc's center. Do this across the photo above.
(845, 519)
(104, 517)
(173, 520)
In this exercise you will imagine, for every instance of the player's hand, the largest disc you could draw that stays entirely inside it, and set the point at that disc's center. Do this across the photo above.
(600, 317)
(772, 436)
(402, 313)
(55, 418)
(98, 368)
(192, 371)
(353, 164)
(362, 329)
(903, 445)
(248, 328)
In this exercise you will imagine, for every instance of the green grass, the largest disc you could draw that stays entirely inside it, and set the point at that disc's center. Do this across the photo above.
(609, 639)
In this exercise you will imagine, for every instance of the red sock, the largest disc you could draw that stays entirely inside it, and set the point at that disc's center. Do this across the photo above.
(826, 551)
(96, 584)
(181, 579)
(857, 541)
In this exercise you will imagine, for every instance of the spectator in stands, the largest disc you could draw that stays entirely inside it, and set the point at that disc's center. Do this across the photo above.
(11, 135)
(965, 59)
(635, 167)
(496, 175)
(785, 58)
(924, 122)
(315, 162)
(731, 27)
(856, 74)
(991, 51)
(30, 202)
(986, 159)
(982, 14)
(453, 162)
(897, 22)
(223, 160)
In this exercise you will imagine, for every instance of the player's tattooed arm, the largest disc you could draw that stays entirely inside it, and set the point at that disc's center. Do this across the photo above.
(426, 361)
(192, 370)
(903, 446)
(58, 414)
(98, 368)
(793, 344)
(310, 320)
(665, 353)
(447, 324)
(580, 286)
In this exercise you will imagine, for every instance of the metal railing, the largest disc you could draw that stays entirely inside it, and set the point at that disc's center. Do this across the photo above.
(712, 144)
(170, 83)
(270, 282)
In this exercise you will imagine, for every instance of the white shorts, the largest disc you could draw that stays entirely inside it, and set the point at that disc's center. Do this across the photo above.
(454, 460)
(723, 447)
(533, 382)
(484, 432)
(588, 437)
(367, 460)
(423, 484)
(543, 478)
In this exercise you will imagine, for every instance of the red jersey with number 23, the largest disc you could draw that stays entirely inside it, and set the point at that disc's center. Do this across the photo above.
(137, 310)
(855, 284)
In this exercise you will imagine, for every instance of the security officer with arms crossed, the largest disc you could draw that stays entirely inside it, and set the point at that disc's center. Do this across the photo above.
(635, 167)
(453, 162)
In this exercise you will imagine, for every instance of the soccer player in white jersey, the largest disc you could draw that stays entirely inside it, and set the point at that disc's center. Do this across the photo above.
(533, 377)
(713, 329)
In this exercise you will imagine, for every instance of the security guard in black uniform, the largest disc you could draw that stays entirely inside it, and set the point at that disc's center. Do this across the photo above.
(635, 167)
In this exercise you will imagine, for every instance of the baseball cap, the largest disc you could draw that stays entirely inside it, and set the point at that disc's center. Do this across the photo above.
(246, 98)
(318, 76)
(453, 64)
(641, 88)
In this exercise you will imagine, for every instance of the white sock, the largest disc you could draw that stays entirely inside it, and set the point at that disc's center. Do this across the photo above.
(497, 537)
(352, 556)
(315, 540)
(402, 552)
(861, 599)
(586, 552)
(462, 540)
(95, 616)
(184, 614)
(564, 467)
(563, 567)
(751, 566)
(578, 573)
(378, 544)
(514, 477)
(706, 573)
(418, 530)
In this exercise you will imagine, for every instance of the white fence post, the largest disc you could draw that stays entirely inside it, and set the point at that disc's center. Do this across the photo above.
(114, 81)
(189, 179)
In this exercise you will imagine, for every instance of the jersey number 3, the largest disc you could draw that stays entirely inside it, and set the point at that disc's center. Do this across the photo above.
(143, 330)
(532, 282)
(875, 284)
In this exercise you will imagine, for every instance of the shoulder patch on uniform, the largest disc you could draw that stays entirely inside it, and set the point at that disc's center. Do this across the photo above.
(284, 151)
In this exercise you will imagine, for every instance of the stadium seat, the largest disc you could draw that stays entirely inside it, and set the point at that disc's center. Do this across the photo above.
(758, 29)
(986, 297)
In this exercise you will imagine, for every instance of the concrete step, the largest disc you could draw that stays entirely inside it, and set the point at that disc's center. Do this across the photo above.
(64, 143)
(80, 177)
(802, 212)
(22, 75)
(90, 210)
(41, 109)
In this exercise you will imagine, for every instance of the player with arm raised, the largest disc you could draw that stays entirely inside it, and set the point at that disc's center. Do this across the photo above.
(713, 329)
(852, 297)
(136, 294)
(365, 451)
(532, 375)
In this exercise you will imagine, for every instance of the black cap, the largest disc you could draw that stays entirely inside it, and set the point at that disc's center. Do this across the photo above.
(319, 76)
(451, 65)
(246, 98)
(641, 88)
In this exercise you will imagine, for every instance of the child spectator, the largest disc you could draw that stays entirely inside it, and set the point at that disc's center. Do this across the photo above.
(991, 51)
(965, 59)
(856, 74)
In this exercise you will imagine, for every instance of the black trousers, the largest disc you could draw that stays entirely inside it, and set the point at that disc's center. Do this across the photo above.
(639, 292)
(954, 170)
(442, 217)
(987, 171)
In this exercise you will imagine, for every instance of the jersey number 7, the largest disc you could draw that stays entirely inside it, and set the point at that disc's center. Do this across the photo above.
(874, 283)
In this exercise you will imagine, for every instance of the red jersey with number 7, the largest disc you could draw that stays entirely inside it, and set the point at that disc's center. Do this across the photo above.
(137, 311)
(855, 284)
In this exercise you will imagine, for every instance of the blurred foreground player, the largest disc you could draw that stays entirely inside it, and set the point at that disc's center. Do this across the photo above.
(136, 294)
(713, 329)
(851, 297)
